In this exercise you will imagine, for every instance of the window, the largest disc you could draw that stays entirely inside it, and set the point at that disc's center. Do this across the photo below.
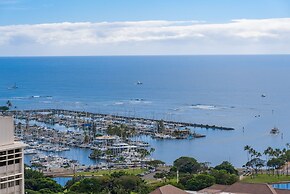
(2, 158)
(17, 161)
(2, 153)
(17, 150)
(10, 162)
(3, 186)
(3, 179)
(17, 182)
(10, 151)
(11, 156)
(11, 184)
(17, 155)
(2, 164)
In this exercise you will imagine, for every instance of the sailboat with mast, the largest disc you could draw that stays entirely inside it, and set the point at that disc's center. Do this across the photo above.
(274, 130)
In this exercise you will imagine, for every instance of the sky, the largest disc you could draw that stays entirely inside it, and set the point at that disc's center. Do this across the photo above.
(143, 27)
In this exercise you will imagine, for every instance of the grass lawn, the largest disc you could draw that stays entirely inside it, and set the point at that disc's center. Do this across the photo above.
(264, 178)
(133, 171)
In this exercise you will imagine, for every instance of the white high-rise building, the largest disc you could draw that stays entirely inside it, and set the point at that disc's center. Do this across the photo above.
(11, 159)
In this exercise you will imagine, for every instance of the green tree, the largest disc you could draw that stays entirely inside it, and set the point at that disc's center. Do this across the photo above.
(74, 180)
(96, 154)
(32, 174)
(199, 182)
(35, 181)
(42, 183)
(256, 164)
(187, 165)
(287, 156)
(4, 108)
(143, 152)
(269, 154)
(155, 163)
(275, 163)
(28, 191)
(89, 185)
(129, 183)
(247, 148)
(223, 177)
(227, 166)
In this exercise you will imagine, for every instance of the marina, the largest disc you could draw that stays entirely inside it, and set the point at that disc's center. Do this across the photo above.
(114, 142)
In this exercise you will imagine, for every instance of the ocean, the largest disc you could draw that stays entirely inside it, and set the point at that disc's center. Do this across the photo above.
(214, 90)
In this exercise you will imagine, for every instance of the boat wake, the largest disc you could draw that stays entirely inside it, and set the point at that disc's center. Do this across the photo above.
(204, 107)
(209, 107)
(30, 97)
(119, 103)
(136, 101)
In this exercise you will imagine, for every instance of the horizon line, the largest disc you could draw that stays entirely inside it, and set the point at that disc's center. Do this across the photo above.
(169, 55)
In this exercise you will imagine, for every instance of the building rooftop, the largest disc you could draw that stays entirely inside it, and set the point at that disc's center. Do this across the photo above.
(6, 130)
(168, 189)
(243, 188)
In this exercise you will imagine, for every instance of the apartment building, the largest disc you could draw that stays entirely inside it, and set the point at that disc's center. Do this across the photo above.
(11, 159)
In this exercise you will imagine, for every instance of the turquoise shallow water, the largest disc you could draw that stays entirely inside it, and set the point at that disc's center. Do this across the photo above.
(216, 90)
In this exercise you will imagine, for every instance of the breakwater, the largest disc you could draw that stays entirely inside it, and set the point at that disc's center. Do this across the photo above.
(92, 115)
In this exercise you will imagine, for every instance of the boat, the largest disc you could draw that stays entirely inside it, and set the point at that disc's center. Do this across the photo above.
(197, 135)
(263, 95)
(274, 131)
(30, 151)
(139, 83)
(13, 87)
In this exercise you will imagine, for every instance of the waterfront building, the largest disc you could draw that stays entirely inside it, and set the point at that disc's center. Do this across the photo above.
(106, 140)
(11, 159)
(118, 148)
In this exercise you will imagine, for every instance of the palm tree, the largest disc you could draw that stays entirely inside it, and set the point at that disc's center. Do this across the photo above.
(9, 104)
(287, 156)
(151, 150)
(256, 162)
(247, 148)
(267, 153)
(277, 153)
(252, 153)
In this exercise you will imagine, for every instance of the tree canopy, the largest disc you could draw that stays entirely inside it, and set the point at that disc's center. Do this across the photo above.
(227, 166)
(187, 165)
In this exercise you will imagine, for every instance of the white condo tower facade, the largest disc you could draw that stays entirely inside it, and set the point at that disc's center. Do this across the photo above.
(11, 159)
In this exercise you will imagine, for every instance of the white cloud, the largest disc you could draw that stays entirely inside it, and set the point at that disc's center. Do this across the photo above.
(244, 36)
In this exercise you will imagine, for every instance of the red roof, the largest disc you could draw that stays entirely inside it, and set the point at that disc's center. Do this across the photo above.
(239, 188)
(168, 189)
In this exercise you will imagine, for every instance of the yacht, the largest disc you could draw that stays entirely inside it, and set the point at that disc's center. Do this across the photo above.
(275, 130)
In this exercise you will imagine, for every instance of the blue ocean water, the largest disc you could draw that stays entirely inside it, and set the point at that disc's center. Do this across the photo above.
(216, 90)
